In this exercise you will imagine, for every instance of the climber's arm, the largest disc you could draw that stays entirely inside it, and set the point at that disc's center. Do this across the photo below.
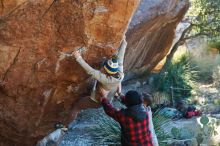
(121, 54)
(93, 72)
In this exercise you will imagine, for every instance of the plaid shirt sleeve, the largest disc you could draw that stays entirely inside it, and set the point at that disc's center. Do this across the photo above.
(110, 110)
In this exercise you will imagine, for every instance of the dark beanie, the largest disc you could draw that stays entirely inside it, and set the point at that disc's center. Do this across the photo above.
(132, 98)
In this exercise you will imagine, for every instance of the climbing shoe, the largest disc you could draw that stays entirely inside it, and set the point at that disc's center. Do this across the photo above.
(61, 126)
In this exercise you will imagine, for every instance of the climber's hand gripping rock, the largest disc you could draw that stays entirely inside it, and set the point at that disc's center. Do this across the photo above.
(76, 54)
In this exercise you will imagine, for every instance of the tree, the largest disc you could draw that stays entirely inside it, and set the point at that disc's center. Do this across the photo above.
(203, 19)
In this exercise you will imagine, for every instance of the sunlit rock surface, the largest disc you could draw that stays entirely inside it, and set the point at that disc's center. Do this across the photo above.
(39, 81)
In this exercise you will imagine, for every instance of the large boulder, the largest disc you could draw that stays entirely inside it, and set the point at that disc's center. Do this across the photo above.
(151, 34)
(39, 81)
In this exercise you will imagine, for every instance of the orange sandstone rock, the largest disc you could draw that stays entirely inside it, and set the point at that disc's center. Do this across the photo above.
(41, 80)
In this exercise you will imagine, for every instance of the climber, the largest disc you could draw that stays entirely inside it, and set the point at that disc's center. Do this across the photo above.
(134, 120)
(109, 78)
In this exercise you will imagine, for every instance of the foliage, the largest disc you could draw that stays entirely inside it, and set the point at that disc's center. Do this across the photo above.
(175, 132)
(207, 61)
(216, 76)
(159, 121)
(215, 44)
(160, 98)
(181, 133)
(204, 120)
(217, 102)
(107, 131)
(204, 17)
(205, 65)
(208, 129)
(180, 74)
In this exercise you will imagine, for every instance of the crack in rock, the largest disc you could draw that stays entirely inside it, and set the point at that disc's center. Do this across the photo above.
(12, 64)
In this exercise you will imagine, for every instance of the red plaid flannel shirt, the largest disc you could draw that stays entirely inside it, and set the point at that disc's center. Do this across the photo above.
(134, 133)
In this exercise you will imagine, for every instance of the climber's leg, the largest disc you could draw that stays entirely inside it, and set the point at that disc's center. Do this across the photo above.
(82, 103)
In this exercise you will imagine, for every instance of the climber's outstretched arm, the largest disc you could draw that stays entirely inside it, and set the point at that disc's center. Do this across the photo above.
(121, 54)
(93, 72)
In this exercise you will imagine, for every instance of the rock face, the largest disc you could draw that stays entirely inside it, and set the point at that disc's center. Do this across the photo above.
(40, 81)
(151, 33)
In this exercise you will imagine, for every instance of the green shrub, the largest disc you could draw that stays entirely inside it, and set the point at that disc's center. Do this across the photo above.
(179, 74)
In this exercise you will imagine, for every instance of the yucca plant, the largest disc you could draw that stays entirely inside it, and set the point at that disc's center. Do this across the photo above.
(105, 131)
(108, 132)
(159, 122)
